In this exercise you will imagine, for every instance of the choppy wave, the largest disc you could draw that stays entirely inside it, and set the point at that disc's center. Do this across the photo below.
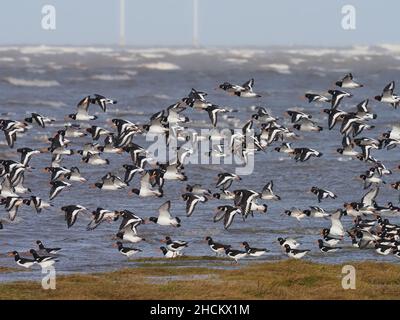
(164, 66)
(45, 103)
(31, 83)
(236, 60)
(6, 59)
(111, 77)
(276, 67)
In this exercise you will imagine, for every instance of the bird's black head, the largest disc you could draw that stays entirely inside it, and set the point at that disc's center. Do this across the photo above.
(189, 188)
(363, 176)
(296, 126)
(98, 185)
(135, 191)
(216, 195)
(72, 116)
(339, 150)
(153, 219)
(185, 196)
(288, 212)
(339, 83)
(378, 98)
(307, 212)
(314, 189)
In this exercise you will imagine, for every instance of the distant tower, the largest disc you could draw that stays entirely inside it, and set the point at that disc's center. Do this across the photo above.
(195, 39)
(122, 23)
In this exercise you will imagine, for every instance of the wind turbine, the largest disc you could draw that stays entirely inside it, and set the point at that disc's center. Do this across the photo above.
(195, 39)
(122, 23)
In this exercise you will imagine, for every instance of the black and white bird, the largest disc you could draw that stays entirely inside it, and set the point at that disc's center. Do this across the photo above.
(197, 189)
(97, 131)
(176, 245)
(322, 193)
(56, 187)
(267, 192)
(337, 97)
(227, 213)
(168, 253)
(244, 199)
(191, 201)
(12, 205)
(334, 116)
(39, 119)
(102, 101)
(292, 243)
(295, 253)
(314, 97)
(26, 155)
(235, 254)
(316, 212)
(297, 115)
(82, 111)
(130, 171)
(101, 215)
(164, 217)
(325, 249)
(71, 213)
(303, 154)
(213, 111)
(22, 262)
(244, 91)
(42, 248)
(388, 95)
(44, 261)
(129, 252)
(225, 180)
(254, 252)
(348, 83)
(37, 203)
(216, 247)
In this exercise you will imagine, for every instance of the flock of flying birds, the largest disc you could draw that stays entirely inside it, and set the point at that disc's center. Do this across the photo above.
(265, 132)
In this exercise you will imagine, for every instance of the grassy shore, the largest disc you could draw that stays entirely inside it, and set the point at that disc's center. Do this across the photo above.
(158, 279)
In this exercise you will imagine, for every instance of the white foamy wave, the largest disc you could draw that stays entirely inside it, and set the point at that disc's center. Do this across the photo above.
(162, 96)
(296, 60)
(6, 59)
(131, 72)
(126, 59)
(111, 77)
(236, 60)
(151, 55)
(47, 103)
(275, 67)
(51, 50)
(31, 83)
(165, 66)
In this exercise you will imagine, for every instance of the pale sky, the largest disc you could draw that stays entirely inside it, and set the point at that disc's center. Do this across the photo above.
(221, 22)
